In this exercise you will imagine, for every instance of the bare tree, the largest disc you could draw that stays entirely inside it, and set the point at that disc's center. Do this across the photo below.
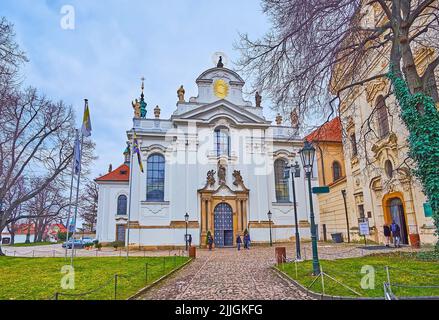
(46, 207)
(89, 206)
(36, 135)
(317, 51)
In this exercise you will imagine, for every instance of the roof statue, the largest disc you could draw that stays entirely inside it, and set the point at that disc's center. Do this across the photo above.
(294, 117)
(258, 100)
(180, 94)
(220, 63)
(140, 106)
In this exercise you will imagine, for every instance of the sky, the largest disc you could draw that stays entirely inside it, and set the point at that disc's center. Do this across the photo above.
(115, 43)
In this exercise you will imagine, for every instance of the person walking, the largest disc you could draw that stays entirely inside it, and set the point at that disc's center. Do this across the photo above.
(387, 234)
(247, 241)
(396, 233)
(189, 240)
(238, 242)
(210, 242)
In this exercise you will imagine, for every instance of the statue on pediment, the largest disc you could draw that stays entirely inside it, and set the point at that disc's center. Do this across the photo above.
(258, 99)
(222, 174)
(211, 178)
(180, 93)
(238, 178)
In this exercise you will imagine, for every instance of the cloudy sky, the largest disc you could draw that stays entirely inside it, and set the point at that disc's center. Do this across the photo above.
(115, 43)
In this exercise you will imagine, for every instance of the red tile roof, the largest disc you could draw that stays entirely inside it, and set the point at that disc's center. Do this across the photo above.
(120, 174)
(328, 132)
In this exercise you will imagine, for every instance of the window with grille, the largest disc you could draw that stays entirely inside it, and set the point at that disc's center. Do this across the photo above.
(281, 181)
(155, 178)
(122, 205)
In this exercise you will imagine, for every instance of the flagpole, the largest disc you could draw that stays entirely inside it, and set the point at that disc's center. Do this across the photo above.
(86, 129)
(130, 192)
(70, 201)
(77, 200)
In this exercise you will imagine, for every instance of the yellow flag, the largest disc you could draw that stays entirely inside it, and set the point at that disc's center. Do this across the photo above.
(86, 122)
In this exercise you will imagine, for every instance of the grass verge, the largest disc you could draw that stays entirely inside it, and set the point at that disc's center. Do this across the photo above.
(40, 278)
(409, 273)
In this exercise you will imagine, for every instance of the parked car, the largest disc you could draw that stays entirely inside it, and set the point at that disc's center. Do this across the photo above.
(88, 240)
(79, 244)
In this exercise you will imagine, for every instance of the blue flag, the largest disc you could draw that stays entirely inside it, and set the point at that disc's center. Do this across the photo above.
(77, 155)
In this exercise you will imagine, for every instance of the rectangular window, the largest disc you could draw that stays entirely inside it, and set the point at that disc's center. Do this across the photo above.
(354, 144)
(361, 211)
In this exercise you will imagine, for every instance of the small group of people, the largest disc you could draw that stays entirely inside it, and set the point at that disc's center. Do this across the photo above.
(246, 241)
(239, 241)
(393, 230)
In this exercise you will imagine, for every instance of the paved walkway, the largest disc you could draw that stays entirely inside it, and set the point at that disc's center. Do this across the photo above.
(226, 274)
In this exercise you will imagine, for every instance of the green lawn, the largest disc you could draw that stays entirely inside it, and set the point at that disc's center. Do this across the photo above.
(405, 269)
(40, 278)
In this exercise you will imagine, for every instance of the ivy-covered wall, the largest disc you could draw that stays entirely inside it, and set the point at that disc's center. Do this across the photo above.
(419, 113)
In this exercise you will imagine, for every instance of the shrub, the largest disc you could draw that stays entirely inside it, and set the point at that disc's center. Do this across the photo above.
(117, 244)
(62, 236)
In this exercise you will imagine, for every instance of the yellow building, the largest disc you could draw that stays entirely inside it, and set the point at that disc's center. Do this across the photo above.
(380, 184)
(335, 215)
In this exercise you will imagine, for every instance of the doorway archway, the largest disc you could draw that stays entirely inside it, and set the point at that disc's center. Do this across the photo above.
(394, 208)
(223, 225)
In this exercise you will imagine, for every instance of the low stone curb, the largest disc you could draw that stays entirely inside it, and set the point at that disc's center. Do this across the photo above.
(145, 289)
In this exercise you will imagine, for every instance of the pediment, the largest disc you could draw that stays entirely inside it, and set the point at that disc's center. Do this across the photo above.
(222, 109)
(221, 73)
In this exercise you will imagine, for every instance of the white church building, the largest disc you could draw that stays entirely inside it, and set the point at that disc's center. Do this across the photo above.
(218, 160)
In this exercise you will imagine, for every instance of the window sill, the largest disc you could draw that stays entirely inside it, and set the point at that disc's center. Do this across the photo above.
(285, 204)
(161, 203)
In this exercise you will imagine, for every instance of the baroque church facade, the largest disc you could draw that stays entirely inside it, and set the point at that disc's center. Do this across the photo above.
(216, 160)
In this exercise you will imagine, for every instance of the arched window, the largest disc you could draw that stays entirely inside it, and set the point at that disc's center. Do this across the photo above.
(222, 142)
(281, 181)
(336, 171)
(122, 205)
(382, 117)
(155, 178)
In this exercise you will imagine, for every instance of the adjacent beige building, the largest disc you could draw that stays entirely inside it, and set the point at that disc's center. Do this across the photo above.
(379, 182)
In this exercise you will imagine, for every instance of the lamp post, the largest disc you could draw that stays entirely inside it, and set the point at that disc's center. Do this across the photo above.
(343, 192)
(307, 154)
(295, 173)
(186, 219)
(269, 214)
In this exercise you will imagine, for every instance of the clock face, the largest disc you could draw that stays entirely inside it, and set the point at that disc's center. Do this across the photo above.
(221, 88)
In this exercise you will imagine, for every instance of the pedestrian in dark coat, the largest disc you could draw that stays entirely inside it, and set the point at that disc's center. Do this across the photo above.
(210, 242)
(190, 240)
(238, 242)
(387, 234)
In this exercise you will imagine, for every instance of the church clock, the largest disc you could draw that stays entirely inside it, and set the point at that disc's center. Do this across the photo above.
(221, 88)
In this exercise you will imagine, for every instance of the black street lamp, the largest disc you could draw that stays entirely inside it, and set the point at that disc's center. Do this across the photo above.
(307, 154)
(343, 192)
(269, 221)
(295, 173)
(186, 218)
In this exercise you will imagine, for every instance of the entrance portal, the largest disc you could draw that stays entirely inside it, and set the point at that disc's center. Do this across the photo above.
(223, 225)
(398, 216)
